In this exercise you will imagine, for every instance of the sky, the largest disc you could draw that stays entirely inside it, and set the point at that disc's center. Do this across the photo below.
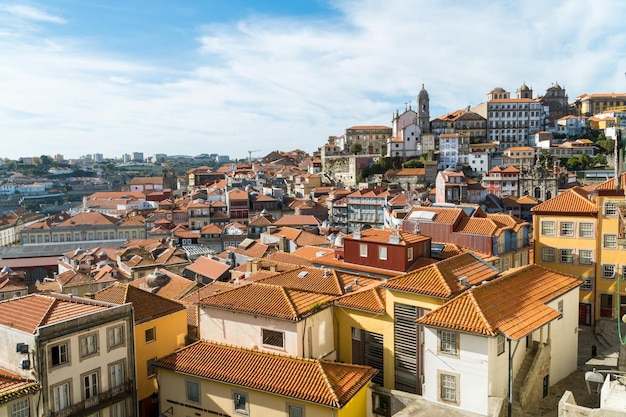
(186, 77)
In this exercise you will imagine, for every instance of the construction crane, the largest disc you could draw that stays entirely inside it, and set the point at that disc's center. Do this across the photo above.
(250, 155)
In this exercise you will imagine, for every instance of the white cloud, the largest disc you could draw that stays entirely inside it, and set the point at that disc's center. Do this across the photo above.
(31, 13)
(283, 83)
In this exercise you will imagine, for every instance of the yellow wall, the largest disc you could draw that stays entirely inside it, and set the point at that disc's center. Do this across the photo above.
(170, 335)
(381, 324)
(217, 397)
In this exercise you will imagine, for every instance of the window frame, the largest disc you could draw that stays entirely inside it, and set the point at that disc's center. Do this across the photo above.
(363, 250)
(90, 384)
(544, 231)
(610, 208)
(567, 229)
(67, 361)
(605, 270)
(188, 397)
(582, 260)
(382, 253)
(236, 409)
(150, 368)
(88, 349)
(153, 338)
(609, 245)
(544, 254)
(114, 380)
(566, 256)
(448, 338)
(500, 344)
(19, 412)
(293, 406)
(441, 390)
(112, 337)
(275, 333)
(67, 395)
(581, 233)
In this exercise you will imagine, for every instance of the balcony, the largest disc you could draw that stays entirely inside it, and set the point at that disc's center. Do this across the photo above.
(102, 400)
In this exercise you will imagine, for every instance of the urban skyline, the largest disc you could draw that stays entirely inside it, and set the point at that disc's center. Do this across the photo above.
(187, 79)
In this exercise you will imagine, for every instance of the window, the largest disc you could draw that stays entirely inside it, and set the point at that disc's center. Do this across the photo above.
(20, 408)
(88, 345)
(560, 307)
(273, 338)
(609, 241)
(240, 402)
(547, 254)
(501, 344)
(118, 409)
(295, 410)
(60, 354)
(115, 336)
(610, 209)
(363, 250)
(585, 230)
(585, 257)
(567, 229)
(90, 385)
(381, 404)
(151, 369)
(587, 284)
(567, 256)
(61, 396)
(409, 254)
(382, 253)
(193, 391)
(608, 271)
(150, 335)
(547, 228)
(448, 342)
(116, 372)
(448, 387)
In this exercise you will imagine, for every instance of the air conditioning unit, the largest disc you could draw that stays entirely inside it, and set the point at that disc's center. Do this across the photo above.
(25, 364)
(21, 348)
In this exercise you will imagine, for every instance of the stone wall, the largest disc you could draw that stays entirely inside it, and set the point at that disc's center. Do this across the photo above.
(531, 391)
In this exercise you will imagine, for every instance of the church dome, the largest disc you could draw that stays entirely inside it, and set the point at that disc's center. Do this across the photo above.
(423, 93)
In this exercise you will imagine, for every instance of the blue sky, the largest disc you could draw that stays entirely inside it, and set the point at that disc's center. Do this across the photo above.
(191, 77)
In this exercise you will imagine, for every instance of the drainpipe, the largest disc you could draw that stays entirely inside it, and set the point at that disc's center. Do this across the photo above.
(511, 354)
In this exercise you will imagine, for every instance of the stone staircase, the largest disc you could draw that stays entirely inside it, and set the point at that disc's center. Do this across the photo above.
(523, 372)
(606, 334)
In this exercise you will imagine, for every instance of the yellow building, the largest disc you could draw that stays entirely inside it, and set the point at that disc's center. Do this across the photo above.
(160, 329)
(376, 325)
(208, 378)
(580, 232)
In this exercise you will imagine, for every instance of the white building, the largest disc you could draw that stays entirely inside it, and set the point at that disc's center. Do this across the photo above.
(478, 161)
(453, 150)
(527, 318)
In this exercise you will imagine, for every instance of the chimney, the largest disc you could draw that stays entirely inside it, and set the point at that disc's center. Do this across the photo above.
(463, 281)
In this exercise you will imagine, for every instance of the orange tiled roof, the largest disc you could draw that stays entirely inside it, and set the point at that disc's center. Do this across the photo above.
(298, 220)
(441, 279)
(371, 298)
(573, 201)
(315, 280)
(311, 252)
(147, 306)
(208, 267)
(327, 383)
(14, 386)
(479, 226)
(269, 300)
(171, 286)
(514, 304)
(383, 235)
(29, 312)
(610, 183)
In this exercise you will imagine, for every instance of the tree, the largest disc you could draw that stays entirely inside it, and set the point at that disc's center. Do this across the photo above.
(413, 163)
(545, 159)
(356, 148)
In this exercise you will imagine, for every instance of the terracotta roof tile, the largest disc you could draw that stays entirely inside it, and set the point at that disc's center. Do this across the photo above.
(318, 280)
(269, 300)
(384, 235)
(298, 220)
(13, 386)
(34, 310)
(321, 382)
(514, 304)
(573, 201)
(371, 298)
(441, 279)
(147, 306)
(170, 285)
(208, 267)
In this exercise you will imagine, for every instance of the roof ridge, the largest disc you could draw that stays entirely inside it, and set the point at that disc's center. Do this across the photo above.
(329, 385)
(290, 302)
(479, 310)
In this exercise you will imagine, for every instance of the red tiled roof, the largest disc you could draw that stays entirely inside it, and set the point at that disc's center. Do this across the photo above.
(573, 201)
(147, 306)
(29, 312)
(14, 386)
(208, 267)
(269, 300)
(514, 304)
(297, 220)
(383, 236)
(441, 279)
(330, 384)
